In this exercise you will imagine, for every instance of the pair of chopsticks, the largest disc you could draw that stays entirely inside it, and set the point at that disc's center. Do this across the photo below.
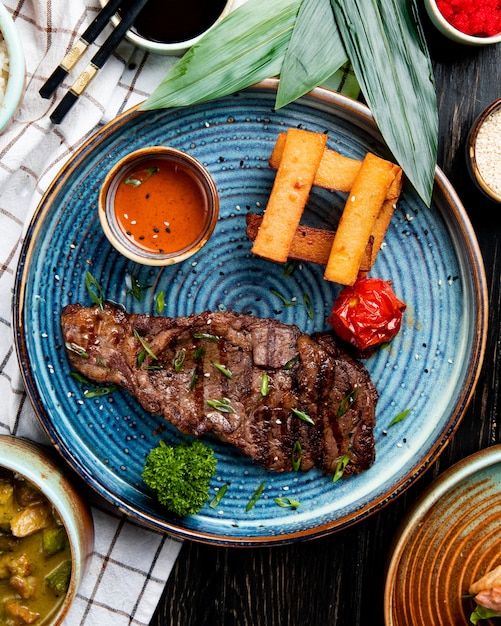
(97, 61)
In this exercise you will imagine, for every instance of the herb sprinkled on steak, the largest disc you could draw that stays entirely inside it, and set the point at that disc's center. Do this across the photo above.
(204, 373)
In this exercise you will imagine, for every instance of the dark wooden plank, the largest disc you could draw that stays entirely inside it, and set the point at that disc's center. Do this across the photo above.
(340, 579)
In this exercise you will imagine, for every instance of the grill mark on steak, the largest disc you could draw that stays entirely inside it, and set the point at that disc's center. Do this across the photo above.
(310, 373)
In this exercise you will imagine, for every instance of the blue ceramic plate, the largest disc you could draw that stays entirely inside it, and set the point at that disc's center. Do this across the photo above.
(450, 539)
(431, 367)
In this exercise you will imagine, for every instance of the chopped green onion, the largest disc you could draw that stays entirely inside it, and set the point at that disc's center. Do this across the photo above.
(80, 379)
(340, 467)
(302, 416)
(401, 416)
(255, 497)
(289, 268)
(94, 289)
(193, 379)
(223, 405)
(286, 502)
(145, 345)
(97, 392)
(179, 359)
(199, 352)
(265, 384)
(222, 369)
(206, 336)
(297, 455)
(347, 402)
(308, 306)
(93, 391)
(76, 349)
(291, 362)
(284, 300)
(100, 361)
(219, 496)
(141, 176)
(135, 288)
(160, 303)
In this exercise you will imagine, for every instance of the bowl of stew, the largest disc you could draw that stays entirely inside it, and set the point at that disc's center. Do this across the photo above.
(158, 206)
(46, 535)
(12, 68)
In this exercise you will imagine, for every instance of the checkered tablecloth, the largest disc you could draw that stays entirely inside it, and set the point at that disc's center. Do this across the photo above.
(130, 563)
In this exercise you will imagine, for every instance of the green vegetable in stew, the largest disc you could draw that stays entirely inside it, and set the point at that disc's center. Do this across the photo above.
(35, 556)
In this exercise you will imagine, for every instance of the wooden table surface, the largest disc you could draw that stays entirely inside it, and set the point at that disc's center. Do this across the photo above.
(339, 579)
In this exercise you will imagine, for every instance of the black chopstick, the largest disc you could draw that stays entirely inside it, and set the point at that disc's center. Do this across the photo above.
(97, 62)
(75, 54)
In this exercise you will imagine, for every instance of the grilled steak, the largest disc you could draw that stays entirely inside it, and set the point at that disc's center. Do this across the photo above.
(207, 373)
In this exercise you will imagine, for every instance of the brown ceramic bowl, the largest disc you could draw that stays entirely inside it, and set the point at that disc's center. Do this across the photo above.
(39, 467)
(450, 538)
(158, 206)
(483, 148)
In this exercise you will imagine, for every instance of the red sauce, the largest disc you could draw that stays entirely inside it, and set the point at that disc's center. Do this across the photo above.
(171, 21)
(161, 206)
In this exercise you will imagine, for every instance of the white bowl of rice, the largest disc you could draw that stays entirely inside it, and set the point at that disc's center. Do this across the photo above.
(12, 68)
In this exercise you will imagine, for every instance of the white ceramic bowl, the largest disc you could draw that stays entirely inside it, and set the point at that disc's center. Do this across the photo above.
(174, 49)
(38, 466)
(483, 151)
(453, 33)
(15, 82)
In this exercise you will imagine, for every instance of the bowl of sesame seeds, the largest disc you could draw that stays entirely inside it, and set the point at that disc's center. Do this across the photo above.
(484, 151)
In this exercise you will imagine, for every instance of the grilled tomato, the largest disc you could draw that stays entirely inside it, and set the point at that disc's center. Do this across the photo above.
(367, 314)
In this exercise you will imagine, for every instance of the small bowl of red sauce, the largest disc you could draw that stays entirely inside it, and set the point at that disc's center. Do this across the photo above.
(469, 22)
(170, 27)
(158, 206)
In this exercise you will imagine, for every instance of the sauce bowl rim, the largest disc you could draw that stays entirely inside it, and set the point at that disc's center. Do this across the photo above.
(106, 207)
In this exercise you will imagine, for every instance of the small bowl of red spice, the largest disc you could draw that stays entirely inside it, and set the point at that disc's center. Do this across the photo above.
(484, 151)
(158, 206)
(470, 22)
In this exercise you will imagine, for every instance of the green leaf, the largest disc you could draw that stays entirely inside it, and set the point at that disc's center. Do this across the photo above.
(481, 613)
(315, 52)
(246, 47)
(386, 46)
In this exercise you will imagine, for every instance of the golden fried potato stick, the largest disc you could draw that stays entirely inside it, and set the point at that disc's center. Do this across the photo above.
(335, 171)
(301, 157)
(386, 213)
(357, 221)
(309, 245)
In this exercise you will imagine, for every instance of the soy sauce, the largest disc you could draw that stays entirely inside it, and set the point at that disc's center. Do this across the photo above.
(171, 21)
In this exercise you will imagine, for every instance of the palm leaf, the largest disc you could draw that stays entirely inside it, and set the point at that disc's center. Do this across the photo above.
(246, 47)
(388, 52)
(315, 52)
